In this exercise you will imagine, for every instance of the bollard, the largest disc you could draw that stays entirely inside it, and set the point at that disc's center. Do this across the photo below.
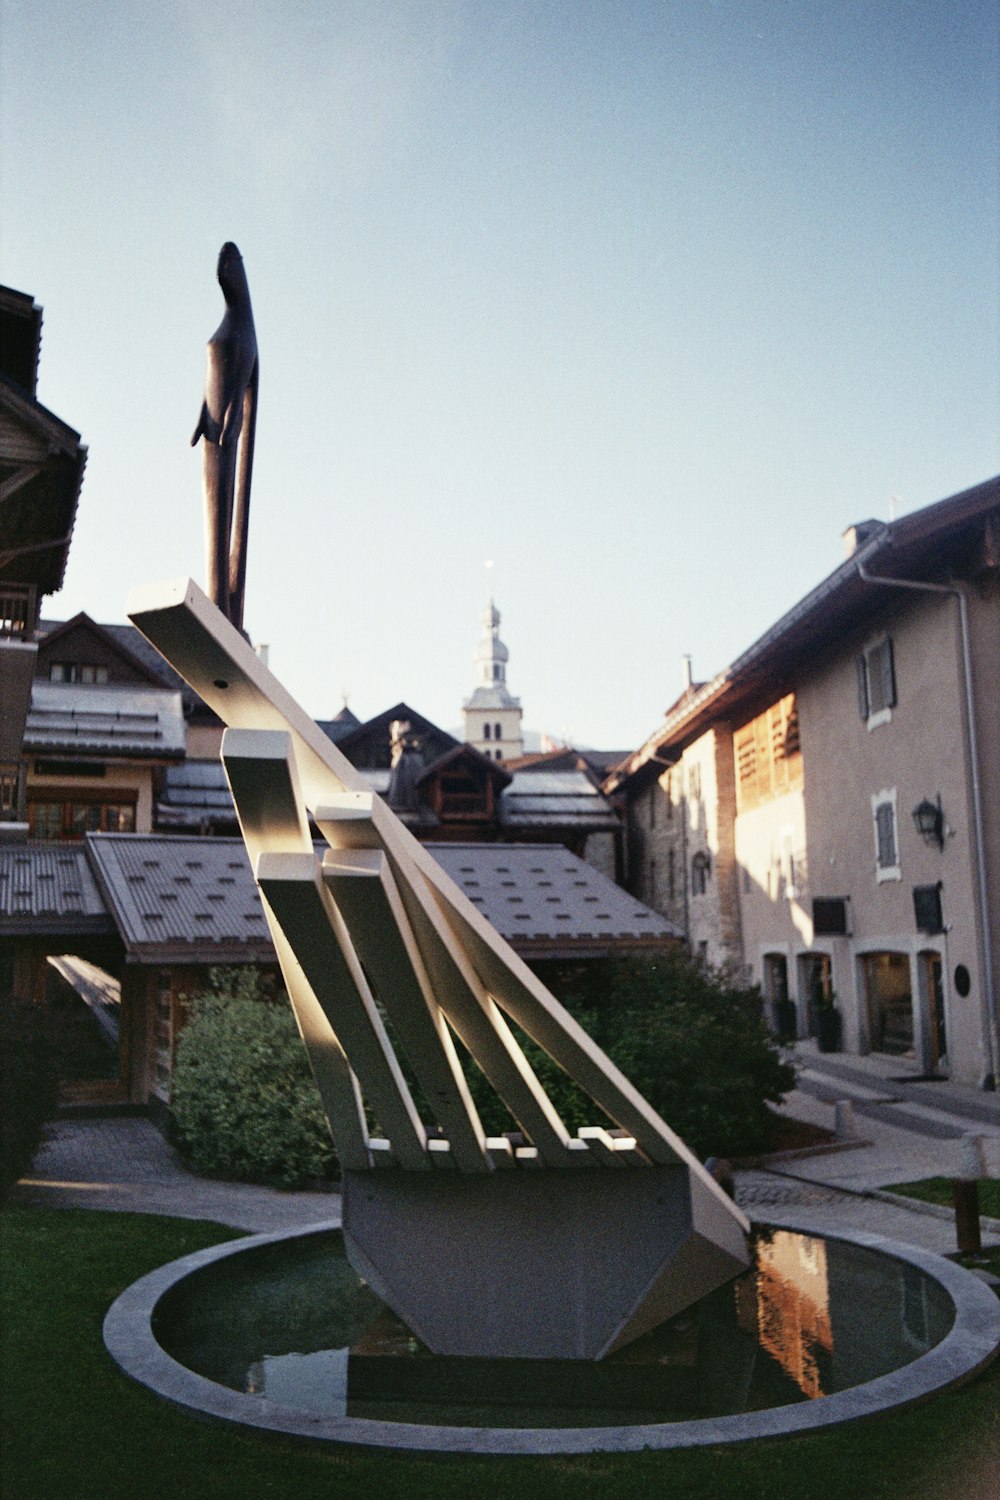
(965, 1192)
(843, 1118)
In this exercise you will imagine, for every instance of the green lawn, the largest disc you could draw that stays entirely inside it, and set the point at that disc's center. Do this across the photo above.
(76, 1429)
(939, 1190)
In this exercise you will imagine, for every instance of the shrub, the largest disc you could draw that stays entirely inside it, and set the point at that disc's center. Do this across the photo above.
(245, 1104)
(28, 1087)
(689, 1040)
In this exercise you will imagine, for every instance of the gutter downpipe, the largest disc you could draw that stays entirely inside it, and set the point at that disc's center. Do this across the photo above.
(986, 936)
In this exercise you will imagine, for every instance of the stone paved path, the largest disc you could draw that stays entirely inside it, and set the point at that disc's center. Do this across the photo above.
(124, 1164)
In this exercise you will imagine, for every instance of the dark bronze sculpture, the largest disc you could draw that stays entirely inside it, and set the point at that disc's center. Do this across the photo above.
(227, 423)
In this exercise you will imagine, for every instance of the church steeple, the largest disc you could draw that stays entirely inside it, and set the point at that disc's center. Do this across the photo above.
(492, 716)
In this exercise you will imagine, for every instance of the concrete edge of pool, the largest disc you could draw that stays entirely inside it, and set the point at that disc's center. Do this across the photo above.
(969, 1346)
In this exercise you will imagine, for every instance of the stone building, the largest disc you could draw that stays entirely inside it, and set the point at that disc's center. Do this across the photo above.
(833, 797)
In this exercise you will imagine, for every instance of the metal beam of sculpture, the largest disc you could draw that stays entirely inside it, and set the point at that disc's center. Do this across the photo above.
(482, 1246)
(227, 423)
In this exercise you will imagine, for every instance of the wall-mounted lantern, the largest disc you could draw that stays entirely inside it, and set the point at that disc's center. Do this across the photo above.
(929, 821)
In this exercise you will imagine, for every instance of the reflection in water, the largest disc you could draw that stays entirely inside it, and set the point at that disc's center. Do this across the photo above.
(294, 1323)
(793, 1309)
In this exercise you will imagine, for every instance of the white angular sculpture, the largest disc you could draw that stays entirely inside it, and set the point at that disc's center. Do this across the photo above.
(566, 1247)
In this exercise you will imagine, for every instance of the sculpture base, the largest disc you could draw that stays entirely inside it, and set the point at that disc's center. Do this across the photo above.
(539, 1264)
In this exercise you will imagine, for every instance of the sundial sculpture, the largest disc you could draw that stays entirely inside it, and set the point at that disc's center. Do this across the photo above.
(561, 1246)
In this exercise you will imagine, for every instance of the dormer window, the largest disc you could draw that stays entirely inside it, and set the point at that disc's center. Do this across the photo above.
(77, 671)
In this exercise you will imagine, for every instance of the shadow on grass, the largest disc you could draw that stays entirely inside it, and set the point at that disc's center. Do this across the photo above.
(74, 1428)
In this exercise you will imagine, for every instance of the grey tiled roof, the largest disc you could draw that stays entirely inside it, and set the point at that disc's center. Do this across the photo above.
(193, 793)
(49, 888)
(194, 897)
(190, 899)
(556, 799)
(541, 897)
(117, 721)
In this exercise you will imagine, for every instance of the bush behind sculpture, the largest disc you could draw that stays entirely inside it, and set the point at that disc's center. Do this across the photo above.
(691, 1041)
(245, 1104)
(28, 1087)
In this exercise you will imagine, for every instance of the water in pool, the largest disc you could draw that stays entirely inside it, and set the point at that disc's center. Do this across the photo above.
(293, 1322)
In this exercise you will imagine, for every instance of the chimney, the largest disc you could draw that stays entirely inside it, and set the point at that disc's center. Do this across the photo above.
(687, 681)
(862, 531)
(263, 652)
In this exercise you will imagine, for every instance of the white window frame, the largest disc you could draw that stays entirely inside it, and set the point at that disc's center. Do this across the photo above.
(874, 718)
(886, 798)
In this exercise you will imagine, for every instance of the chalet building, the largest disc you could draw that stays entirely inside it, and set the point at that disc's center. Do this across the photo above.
(101, 727)
(492, 716)
(825, 813)
(134, 922)
(41, 472)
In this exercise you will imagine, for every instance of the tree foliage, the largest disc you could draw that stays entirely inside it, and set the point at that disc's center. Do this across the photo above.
(28, 1087)
(245, 1104)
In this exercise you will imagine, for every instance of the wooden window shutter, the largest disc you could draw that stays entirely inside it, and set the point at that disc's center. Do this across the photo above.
(862, 669)
(885, 824)
(887, 669)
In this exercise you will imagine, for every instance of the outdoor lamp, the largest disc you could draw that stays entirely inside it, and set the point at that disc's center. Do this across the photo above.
(929, 821)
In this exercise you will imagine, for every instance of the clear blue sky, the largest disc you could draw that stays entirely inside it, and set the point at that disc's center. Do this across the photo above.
(644, 301)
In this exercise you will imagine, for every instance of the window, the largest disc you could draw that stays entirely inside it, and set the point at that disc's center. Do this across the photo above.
(671, 874)
(701, 865)
(789, 867)
(77, 671)
(498, 731)
(496, 671)
(830, 916)
(486, 731)
(71, 818)
(886, 845)
(876, 673)
(927, 910)
(768, 755)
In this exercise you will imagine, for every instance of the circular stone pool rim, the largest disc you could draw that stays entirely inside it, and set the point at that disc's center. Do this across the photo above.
(970, 1345)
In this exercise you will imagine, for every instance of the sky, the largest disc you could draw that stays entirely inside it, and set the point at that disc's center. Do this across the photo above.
(643, 301)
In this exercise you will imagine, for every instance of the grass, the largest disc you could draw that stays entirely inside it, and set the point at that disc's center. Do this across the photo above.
(939, 1190)
(74, 1428)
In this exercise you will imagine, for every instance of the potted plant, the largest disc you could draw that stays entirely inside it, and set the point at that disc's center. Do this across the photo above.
(788, 1021)
(828, 1025)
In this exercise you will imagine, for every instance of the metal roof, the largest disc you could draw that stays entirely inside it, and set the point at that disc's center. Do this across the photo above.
(123, 721)
(192, 899)
(556, 799)
(49, 888)
(193, 793)
(547, 902)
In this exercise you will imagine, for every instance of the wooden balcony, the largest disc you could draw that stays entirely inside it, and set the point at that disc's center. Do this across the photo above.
(18, 611)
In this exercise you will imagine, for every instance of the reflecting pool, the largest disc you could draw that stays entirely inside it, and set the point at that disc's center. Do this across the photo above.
(293, 1322)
